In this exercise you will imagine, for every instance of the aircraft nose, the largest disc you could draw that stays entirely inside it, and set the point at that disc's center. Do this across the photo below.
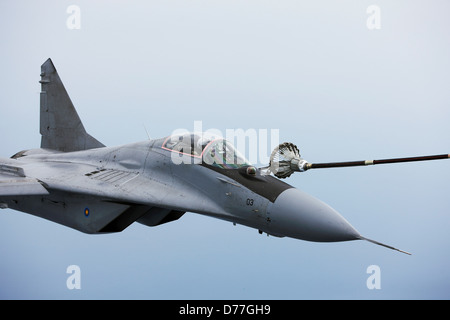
(299, 215)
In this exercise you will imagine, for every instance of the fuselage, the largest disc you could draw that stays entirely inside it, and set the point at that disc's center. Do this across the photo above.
(237, 193)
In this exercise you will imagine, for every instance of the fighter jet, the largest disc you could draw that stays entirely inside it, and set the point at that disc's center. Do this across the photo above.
(75, 180)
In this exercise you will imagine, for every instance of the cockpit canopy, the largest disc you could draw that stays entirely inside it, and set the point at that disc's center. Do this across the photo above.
(204, 148)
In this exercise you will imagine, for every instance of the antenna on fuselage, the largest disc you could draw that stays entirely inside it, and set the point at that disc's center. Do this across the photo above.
(145, 128)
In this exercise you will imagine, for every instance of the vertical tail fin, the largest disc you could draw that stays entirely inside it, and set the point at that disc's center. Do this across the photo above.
(60, 125)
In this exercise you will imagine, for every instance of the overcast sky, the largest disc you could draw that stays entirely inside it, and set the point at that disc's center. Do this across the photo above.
(313, 70)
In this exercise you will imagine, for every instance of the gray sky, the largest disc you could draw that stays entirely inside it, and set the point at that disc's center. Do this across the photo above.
(311, 69)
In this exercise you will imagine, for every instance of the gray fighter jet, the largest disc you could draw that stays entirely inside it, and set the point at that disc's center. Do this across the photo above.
(75, 180)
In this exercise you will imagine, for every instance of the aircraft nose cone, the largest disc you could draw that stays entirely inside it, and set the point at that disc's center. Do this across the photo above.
(298, 215)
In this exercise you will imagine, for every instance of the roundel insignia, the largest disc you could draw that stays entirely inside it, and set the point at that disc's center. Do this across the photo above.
(86, 212)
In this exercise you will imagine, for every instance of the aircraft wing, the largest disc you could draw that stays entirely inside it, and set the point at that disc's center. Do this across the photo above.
(13, 182)
(20, 186)
(114, 198)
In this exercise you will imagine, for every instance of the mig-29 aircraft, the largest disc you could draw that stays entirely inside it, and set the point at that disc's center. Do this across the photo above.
(75, 180)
